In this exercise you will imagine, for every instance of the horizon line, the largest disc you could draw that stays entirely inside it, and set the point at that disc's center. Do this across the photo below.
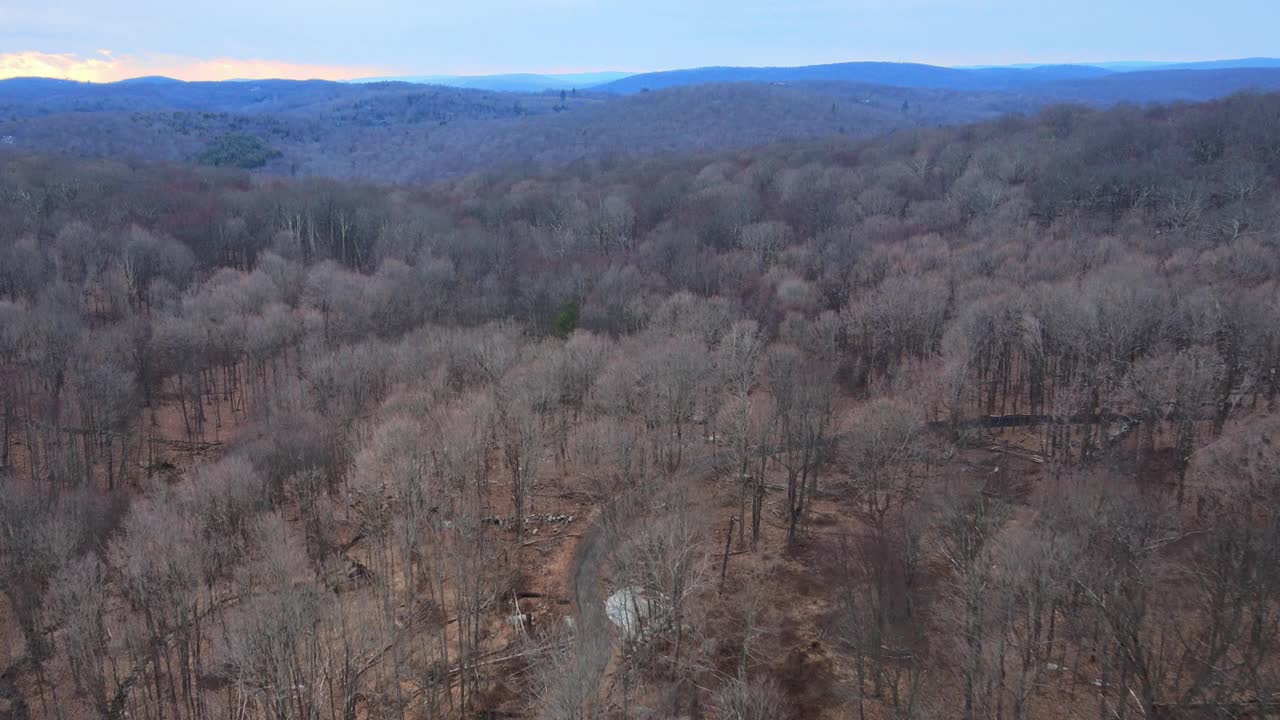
(392, 76)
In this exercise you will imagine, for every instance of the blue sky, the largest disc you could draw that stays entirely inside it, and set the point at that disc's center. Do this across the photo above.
(102, 40)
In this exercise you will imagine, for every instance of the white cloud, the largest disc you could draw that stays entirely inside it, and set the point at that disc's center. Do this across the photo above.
(106, 66)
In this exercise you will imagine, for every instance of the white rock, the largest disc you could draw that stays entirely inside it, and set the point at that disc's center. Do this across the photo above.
(628, 609)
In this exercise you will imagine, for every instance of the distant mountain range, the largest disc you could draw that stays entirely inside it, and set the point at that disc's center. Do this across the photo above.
(516, 82)
(1205, 65)
(984, 78)
(873, 73)
(399, 131)
(990, 78)
(1039, 79)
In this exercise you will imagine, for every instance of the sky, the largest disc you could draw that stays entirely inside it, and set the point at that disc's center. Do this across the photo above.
(104, 40)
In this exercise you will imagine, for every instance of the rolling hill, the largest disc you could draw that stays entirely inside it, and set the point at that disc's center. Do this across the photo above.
(1160, 86)
(513, 82)
(1050, 83)
(410, 132)
(443, 132)
(876, 73)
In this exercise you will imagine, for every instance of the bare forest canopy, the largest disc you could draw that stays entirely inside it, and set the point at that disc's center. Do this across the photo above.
(403, 132)
(955, 423)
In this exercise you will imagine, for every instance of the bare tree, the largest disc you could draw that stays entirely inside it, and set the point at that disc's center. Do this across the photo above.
(963, 536)
(76, 603)
(882, 613)
(736, 359)
(802, 411)
(522, 403)
(883, 454)
(666, 557)
(764, 241)
(159, 559)
(271, 647)
(37, 538)
(740, 699)
(1178, 389)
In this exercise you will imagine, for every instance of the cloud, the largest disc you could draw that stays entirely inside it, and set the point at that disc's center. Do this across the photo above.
(106, 66)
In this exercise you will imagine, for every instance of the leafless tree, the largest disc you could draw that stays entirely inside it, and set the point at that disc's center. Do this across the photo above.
(1178, 389)
(802, 411)
(665, 556)
(964, 536)
(38, 538)
(272, 647)
(76, 603)
(736, 358)
(883, 454)
(744, 700)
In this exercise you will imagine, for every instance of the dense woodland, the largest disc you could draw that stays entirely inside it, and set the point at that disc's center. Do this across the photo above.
(398, 132)
(411, 133)
(955, 423)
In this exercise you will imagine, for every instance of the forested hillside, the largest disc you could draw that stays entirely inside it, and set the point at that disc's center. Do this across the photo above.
(954, 423)
(23, 97)
(397, 132)
(400, 132)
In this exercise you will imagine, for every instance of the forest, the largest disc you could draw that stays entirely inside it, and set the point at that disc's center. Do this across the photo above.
(410, 133)
(967, 422)
(403, 132)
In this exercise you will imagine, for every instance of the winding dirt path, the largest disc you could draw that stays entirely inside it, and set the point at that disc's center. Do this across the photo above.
(595, 634)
